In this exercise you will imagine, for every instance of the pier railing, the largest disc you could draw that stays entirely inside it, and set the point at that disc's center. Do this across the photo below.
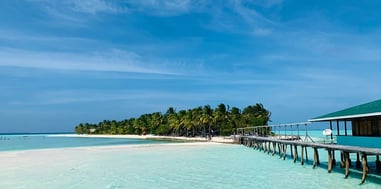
(290, 131)
(277, 139)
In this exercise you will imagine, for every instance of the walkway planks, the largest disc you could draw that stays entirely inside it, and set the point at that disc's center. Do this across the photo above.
(350, 149)
(264, 143)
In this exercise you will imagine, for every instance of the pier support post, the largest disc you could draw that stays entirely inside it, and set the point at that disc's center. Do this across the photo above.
(333, 158)
(292, 153)
(316, 158)
(342, 159)
(264, 147)
(284, 152)
(364, 168)
(305, 149)
(347, 163)
(302, 156)
(329, 160)
(358, 163)
(274, 148)
(295, 153)
(268, 148)
(281, 150)
(378, 163)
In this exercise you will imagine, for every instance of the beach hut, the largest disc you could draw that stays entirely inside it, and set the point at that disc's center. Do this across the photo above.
(365, 121)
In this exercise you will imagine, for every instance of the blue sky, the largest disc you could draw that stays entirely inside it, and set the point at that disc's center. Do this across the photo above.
(73, 61)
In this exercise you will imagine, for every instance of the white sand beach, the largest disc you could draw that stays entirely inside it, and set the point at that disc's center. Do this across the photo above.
(185, 165)
(218, 139)
(62, 167)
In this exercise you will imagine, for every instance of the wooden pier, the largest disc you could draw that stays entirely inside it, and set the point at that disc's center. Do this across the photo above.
(276, 144)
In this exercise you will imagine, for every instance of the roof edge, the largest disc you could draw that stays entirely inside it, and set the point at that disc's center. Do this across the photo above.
(345, 117)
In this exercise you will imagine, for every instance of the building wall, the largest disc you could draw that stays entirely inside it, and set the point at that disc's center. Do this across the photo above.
(362, 141)
(366, 127)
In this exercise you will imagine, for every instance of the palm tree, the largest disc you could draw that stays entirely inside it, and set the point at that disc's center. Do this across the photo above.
(196, 121)
(221, 119)
(235, 117)
(256, 116)
(174, 123)
(207, 118)
(156, 119)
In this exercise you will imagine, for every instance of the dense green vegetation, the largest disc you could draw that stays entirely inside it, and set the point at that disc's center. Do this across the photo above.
(199, 121)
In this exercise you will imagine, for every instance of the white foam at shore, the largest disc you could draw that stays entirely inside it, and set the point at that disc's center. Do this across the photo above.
(214, 139)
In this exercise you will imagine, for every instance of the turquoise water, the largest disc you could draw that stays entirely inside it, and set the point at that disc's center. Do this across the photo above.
(43, 141)
(167, 166)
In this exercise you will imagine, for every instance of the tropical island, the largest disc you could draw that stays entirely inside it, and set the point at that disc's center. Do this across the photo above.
(201, 122)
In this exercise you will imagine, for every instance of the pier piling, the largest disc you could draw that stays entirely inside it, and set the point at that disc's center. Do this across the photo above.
(295, 153)
(347, 163)
(329, 160)
(358, 163)
(302, 156)
(305, 149)
(316, 158)
(268, 144)
(365, 168)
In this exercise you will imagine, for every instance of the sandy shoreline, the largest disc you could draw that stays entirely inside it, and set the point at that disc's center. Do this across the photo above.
(199, 139)
(79, 167)
(106, 147)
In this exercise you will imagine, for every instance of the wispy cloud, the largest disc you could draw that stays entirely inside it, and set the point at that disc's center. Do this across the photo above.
(58, 97)
(262, 31)
(268, 3)
(26, 37)
(76, 13)
(242, 17)
(112, 61)
(162, 8)
(312, 46)
(96, 6)
(88, 6)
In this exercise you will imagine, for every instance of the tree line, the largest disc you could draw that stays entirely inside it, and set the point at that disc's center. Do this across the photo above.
(200, 121)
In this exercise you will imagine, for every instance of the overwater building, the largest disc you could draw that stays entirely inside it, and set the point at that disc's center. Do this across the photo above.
(365, 121)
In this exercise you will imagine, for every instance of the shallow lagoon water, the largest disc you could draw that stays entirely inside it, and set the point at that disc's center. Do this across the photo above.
(44, 141)
(167, 165)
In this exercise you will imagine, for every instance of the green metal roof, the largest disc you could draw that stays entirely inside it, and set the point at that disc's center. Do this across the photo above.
(364, 110)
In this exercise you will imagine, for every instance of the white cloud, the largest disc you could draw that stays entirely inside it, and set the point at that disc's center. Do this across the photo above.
(95, 6)
(165, 8)
(252, 16)
(58, 97)
(268, 3)
(240, 17)
(112, 61)
(82, 6)
(262, 31)
(77, 12)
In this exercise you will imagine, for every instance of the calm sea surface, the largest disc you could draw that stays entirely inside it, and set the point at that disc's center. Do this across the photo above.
(42, 141)
(158, 165)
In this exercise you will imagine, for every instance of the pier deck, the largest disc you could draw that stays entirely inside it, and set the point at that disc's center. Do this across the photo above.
(351, 149)
(280, 145)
